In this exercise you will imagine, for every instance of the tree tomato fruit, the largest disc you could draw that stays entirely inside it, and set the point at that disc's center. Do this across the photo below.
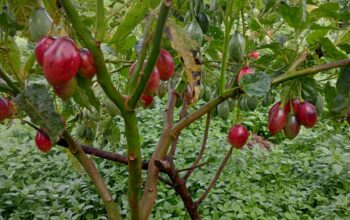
(146, 100)
(62, 61)
(153, 82)
(66, 90)
(292, 127)
(41, 47)
(43, 142)
(88, 66)
(165, 65)
(277, 120)
(307, 114)
(238, 136)
(6, 108)
(254, 55)
(244, 71)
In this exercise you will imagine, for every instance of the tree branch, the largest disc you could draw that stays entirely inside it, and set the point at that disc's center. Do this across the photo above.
(176, 139)
(310, 71)
(90, 168)
(152, 59)
(134, 163)
(179, 186)
(103, 77)
(200, 154)
(150, 193)
(216, 177)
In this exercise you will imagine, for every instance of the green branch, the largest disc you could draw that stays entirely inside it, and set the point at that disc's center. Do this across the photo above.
(152, 59)
(5, 76)
(134, 163)
(100, 21)
(103, 77)
(90, 168)
(228, 27)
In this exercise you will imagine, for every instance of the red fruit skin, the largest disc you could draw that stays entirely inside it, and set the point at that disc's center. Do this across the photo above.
(277, 106)
(238, 136)
(277, 120)
(307, 114)
(153, 82)
(295, 104)
(146, 100)
(254, 55)
(43, 142)
(165, 65)
(62, 61)
(41, 47)
(88, 66)
(244, 71)
(6, 108)
(292, 127)
(66, 90)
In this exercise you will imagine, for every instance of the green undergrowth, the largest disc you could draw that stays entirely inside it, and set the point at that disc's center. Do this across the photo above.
(304, 178)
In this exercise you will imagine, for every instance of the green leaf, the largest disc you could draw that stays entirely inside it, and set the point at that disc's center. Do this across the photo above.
(337, 168)
(10, 56)
(294, 15)
(85, 85)
(37, 103)
(309, 89)
(134, 16)
(327, 10)
(112, 133)
(331, 51)
(343, 82)
(257, 84)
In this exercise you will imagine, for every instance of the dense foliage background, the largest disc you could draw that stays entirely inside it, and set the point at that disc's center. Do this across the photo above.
(308, 178)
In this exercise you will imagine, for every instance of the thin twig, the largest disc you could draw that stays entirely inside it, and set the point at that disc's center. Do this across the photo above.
(193, 167)
(216, 177)
(204, 143)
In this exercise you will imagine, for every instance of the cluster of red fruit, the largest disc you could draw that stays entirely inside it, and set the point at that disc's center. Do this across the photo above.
(163, 70)
(291, 116)
(6, 108)
(61, 60)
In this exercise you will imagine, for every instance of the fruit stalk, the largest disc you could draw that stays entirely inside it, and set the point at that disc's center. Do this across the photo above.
(152, 59)
(90, 168)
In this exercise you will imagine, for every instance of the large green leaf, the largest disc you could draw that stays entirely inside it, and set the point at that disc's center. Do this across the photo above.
(309, 89)
(37, 103)
(134, 16)
(257, 84)
(327, 10)
(295, 16)
(331, 51)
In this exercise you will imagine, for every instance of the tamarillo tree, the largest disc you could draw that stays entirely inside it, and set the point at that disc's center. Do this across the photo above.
(232, 54)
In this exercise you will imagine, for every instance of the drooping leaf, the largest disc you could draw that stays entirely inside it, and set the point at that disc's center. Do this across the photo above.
(294, 15)
(331, 51)
(112, 133)
(134, 16)
(257, 84)
(309, 89)
(10, 56)
(85, 85)
(37, 103)
(343, 82)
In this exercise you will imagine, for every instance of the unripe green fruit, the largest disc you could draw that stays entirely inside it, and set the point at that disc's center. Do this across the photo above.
(40, 24)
